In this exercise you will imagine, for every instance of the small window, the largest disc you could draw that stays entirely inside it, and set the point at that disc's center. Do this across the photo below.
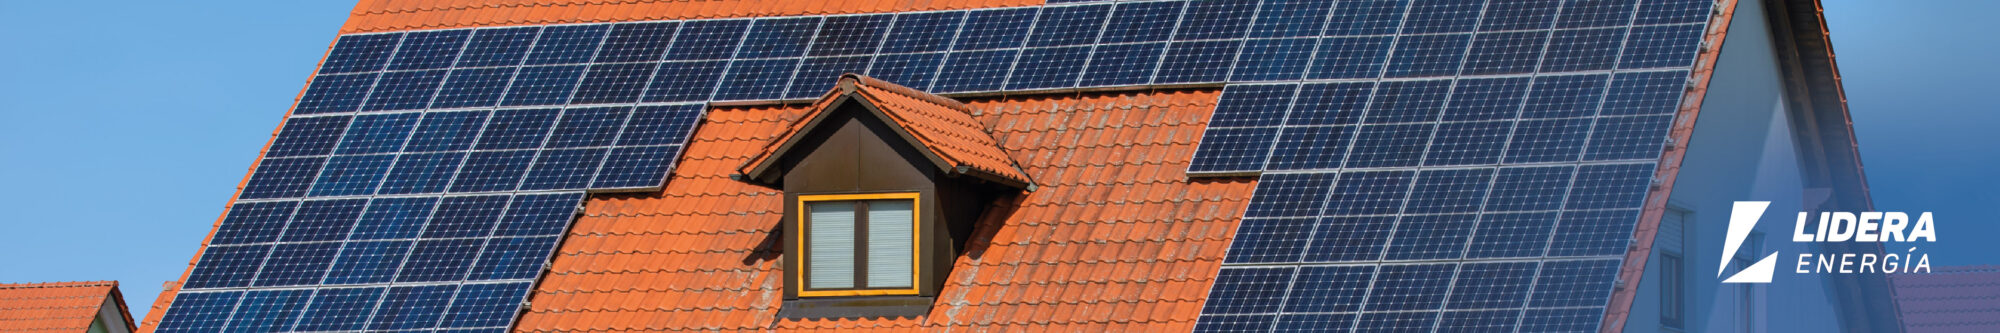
(858, 244)
(1673, 290)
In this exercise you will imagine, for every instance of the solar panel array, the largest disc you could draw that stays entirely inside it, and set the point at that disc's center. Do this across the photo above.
(1414, 152)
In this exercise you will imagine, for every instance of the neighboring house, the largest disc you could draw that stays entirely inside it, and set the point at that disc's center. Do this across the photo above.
(1214, 165)
(81, 307)
(1950, 300)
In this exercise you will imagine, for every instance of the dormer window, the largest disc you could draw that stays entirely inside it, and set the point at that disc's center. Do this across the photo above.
(883, 185)
(859, 244)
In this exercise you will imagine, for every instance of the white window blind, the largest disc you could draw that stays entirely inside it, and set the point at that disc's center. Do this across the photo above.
(891, 243)
(831, 245)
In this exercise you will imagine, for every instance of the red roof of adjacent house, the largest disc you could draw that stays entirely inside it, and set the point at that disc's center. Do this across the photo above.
(942, 126)
(1950, 299)
(56, 306)
(1117, 238)
(389, 15)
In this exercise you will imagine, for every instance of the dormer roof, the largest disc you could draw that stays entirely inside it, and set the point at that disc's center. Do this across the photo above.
(941, 128)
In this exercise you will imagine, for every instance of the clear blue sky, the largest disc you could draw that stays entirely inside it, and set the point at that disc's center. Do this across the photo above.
(127, 125)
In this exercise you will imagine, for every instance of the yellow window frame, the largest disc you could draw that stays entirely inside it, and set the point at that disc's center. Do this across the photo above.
(916, 238)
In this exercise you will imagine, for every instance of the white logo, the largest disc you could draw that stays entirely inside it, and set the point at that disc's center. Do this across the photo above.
(1742, 218)
(1832, 227)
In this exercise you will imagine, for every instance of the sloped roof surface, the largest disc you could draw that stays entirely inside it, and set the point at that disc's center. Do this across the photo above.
(392, 15)
(51, 307)
(1116, 239)
(1951, 299)
(941, 125)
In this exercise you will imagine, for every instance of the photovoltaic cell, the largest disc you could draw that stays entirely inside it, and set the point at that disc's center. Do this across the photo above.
(850, 35)
(334, 93)
(498, 47)
(360, 53)
(1142, 22)
(429, 49)
(404, 90)
(922, 32)
(567, 44)
(1290, 18)
(630, 42)
(393, 218)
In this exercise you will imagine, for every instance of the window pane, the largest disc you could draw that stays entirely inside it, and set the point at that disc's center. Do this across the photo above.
(831, 246)
(891, 245)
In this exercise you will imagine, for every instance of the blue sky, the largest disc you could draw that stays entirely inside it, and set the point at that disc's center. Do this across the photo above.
(127, 126)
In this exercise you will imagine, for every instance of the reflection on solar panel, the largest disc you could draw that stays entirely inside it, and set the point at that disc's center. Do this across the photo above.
(1420, 153)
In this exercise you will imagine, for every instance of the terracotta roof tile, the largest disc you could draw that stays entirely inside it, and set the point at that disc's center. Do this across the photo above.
(54, 307)
(1949, 299)
(389, 15)
(942, 126)
(1117, 239)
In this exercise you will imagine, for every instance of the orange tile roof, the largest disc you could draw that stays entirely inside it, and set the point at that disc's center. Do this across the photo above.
(942, 126)
(1118, 238)
(54, 307)
(390, 15)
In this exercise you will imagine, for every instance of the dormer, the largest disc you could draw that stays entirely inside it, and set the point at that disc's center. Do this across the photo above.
(882, 185)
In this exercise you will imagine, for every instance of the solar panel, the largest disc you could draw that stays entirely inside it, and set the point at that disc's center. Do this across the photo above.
(1415, 154)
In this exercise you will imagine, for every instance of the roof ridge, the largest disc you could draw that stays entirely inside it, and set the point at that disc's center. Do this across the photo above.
(908, 92)
(60, 284)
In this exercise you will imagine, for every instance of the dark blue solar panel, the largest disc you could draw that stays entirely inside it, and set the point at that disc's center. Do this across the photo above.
(850, 35)
(1219, 19)
(269, 310)
(1582, 50)
(922, 32)
(1610, 186)
(308, 136)
(1366, 17)
(1233, 149)
(510, 258)
(1518, 15)
(1479, 321)
(1253, 105)
(1511, 235)
(1270, 240)
(1430, 237)
(916, 71)
(1369, 193)
(975, 71)
(378, 133)
(1248, 290)
(1449, 191)
(1408, 101)
(1377, 146)
(466, 216)
(412, 307)
(489, 171)
(1290, 18)
(1409, 287)
(338, 309)
(199, 312)
(1234, 323)
(1595, 13)
(1071, 25)
(614, 83)
(630, 42)
(995, 29)
(1047, 68)
(1547, 140)
(282, 177)
(367, 262)
(334, 93)
(421, 173)
(817, 75)
(567, 44)
(393, 218)
(1565, 96)
(1330, 289)
(1330, 104)
(429, 49)
(1661, 46)
(778, 37)
(1193, 62)
(1505, 52)
(475, 87)
(1273, 59)
(1491, 285)
(255, 222)
(1529, 188)
(564, 169)
(588, 127)
(1486, 99)
(296, 264)
(1142, 22)
(1302, 323)
(1626, 138)
(351, 175)
(517, 129)
(485, 305)
(1290, 195)
(662, 124)
(538, 215)
(757, 79)
(636, 167)
(360, 53)
(685, 81)
(1428, 55)
(1644, 93)
(1594, 233)
(1674, 11)
(439, 260)
(1124, 64)
(1468, 143)
(1349, 58)
(1310, 147)
(323, 220)
(708, 40)
(498, 47)
(543, 85)
(1561, 320)
(1350, 238)
(1442, 16)
(1574, 283)
(404, 90)
(227, 266)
